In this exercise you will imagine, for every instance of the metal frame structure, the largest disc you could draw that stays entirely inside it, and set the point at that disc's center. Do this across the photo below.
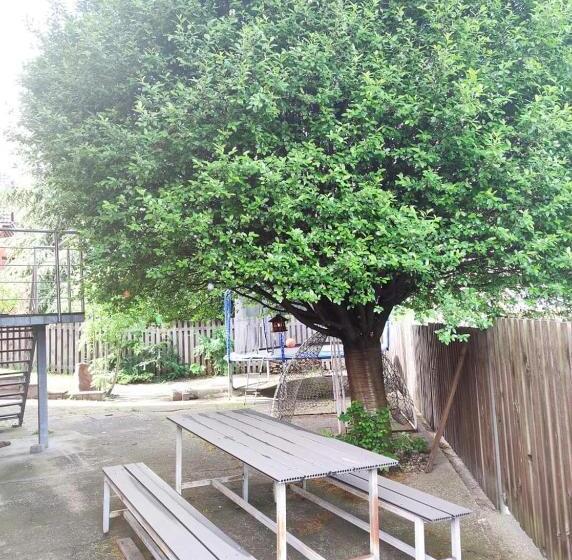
(284, 453)
(34, 316)
(60, 257)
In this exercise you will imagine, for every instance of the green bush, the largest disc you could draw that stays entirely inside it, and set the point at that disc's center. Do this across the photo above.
(372, 431)
(213, 350)
(405, 444)
(153, 362)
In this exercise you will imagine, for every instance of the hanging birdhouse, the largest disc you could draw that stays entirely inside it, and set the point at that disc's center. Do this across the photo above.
(278, 323)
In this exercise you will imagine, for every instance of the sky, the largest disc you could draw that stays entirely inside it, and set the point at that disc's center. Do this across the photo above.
(17, 45)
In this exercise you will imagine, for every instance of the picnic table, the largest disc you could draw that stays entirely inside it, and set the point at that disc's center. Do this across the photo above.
(285, 453)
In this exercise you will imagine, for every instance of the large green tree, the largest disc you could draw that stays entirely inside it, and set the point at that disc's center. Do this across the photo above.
(331, 158)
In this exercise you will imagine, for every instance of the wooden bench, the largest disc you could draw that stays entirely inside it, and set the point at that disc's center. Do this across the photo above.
(167, 524)
(414, 505)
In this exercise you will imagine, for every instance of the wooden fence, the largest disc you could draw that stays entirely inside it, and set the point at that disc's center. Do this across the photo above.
(66, 346)
(511, 422)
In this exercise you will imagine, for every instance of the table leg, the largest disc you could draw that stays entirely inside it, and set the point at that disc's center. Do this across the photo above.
(373, 515)
(245, 482)
(179, 461)
(281, 548)
(456, 539)
(419, 540)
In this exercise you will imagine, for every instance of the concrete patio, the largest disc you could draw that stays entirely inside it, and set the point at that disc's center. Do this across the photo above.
(50, 504)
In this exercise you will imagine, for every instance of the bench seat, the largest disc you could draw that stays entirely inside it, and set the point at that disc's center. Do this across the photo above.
(414, 505)
(175, 530)
(426, 506)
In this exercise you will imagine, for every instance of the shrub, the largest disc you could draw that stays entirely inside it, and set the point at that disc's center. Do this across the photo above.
(372, 431)
(213, 350)
(153, 362)
(405, 444)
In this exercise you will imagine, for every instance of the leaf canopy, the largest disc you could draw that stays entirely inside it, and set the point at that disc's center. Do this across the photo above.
(317, 155)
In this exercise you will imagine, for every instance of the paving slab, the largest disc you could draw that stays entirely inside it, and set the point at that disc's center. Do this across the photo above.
(50, 504)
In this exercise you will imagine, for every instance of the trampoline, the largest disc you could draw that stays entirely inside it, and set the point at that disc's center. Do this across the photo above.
(275, 354)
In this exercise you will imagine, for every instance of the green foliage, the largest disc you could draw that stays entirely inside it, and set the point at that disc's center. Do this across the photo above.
(372, 431)
(313, 154)
(405, 444)
(127, 359)
(8, 299)
(213, 350)
(152, 362)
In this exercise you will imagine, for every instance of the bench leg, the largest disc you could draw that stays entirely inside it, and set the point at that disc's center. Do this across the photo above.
(179, 461)
(106, 506)
(245, 482)
(456, 539)
(419, 540)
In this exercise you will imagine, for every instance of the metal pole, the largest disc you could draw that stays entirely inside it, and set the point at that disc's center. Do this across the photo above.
(245, 476)
(42, 369)
(69, 281)
(228, 331)
(179, 461)
(106, 506)
(282, 350)
(81, 291)
(34, 295)
(57, 274)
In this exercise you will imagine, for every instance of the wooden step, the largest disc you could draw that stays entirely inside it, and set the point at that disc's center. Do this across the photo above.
(9, 362)
(10, 379)
(7, 395)
(16, 357)
(6, 385)
(11, 403)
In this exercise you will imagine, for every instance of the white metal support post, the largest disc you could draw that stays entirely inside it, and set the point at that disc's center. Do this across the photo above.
(456, 539)
(419, 539)
(179, 461)
(106, 506)
(245, 482)
(373, 514)
(281, 543)
(42, 369)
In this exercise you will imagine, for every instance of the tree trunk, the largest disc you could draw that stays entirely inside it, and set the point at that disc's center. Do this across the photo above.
(364, 365)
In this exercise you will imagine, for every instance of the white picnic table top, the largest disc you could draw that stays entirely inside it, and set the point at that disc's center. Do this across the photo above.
(283, 452)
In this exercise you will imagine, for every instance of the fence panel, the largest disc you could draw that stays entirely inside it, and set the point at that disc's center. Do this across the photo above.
(511, 422)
